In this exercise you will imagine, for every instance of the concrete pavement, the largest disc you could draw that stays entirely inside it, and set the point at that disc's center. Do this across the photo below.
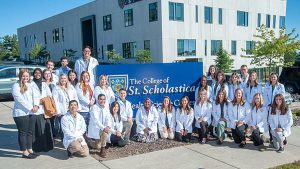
(193, 156)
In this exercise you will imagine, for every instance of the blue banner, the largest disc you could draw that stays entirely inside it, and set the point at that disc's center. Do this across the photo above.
(154, 81)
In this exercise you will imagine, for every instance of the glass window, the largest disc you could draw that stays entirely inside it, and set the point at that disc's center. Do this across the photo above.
(242, 18)
(249, 45)
(196, 13)
(274, 21)
(147, 44)
(128, 16)
(220, 16)
(208, 18)
(233, 47)
(205, 47)
(259, 20)
(8, 73)
(282, 22)
(26, 41)
(110, 47)
(45, 38)
(55, 34)
(268, 21)
(216, 45)
(153, 16)
(171, 11)
(107, 22)
(186, 47)
(128, 50)
(176, 11)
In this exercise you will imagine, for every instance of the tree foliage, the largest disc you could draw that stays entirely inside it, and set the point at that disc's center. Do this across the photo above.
(70, 53)
(273, 50)
(9, 47)
(38, 51)
(143, 56)
(114, 57)
(224, 61)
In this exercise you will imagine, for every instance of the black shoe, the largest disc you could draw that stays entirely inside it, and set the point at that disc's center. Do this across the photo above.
(242, 145)
(285, 142)
(280, 150)
(29, 156)
(69, 154)
(35, 154)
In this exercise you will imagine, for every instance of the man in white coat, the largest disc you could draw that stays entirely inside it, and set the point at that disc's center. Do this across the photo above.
(87, 63)
(73, 127)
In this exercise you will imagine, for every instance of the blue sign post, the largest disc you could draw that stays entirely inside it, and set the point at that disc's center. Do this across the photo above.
(154, 81)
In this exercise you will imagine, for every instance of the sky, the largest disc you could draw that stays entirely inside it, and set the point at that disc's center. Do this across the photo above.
(18, 13)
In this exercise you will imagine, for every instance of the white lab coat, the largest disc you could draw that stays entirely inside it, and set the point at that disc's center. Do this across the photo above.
(285, 121)
(232, 89)
(238, 113)
(162, 119)
(219, 87)
(80, 67)
(115, 126)
(99, 119)
(45, 92)
(23, 102)
(249, 94)
(125, 110)
(244, 80)
(259, 118)
(143, 120)
(269, 95)
(209, 91)
(84, 100)
(55, 78)
(73, 128)
(216, 113)
(109, 94)
(62, 98)
(184, 120)
(202, 111)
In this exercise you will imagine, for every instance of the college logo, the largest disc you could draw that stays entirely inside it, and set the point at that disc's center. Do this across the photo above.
(121, 3)
(117, 82)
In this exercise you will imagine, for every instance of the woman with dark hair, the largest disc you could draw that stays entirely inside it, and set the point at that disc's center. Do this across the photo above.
(234, 84)
(220, 84)
(273, 88)
(238, 111)
(72, 76)
(202, 111)
(184, 120)
(281, 121)
(220, 115)
(212, 75)
(166, 121)
(203, 84)
(43, 139)
(25, 105)
(252, 87)
(116, 125)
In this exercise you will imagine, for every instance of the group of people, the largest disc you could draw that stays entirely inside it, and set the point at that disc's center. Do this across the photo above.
(90, 114)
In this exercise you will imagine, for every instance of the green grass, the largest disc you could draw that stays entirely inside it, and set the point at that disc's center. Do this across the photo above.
(294, 165)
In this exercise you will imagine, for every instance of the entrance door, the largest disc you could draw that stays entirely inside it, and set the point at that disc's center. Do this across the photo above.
(88, 33)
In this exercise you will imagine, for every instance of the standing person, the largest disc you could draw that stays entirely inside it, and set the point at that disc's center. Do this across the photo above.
(87, 63)
(146, 121)
(100, 126)
(184, 120)
(244, 75)
(258, 121)
(72, 76)
(212, 75)
(73, 127)
(166, 120)
(126, 113)
(104, 88)
(220, 84)
(220, 115)
(234, 84)
(203, 84)
(272, 89)
(64, 69)
(238, 111)
(50, 66)
(252, 87)
(85, 95)
(281, 121)
(202, 111)
(24, 107)
(43, 138)
(48, 79)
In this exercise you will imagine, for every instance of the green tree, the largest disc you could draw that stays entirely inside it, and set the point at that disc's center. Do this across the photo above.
(70, 53)
(114, 57)
(224, 61)
(274, 51)
(143, 56)
(9, 47)
(38, 52)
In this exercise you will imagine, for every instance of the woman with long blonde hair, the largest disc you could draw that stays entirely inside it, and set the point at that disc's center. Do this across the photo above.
(166, 120)
(104, 88)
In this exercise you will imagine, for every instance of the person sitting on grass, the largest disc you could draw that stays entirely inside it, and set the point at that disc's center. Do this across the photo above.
(73, 127)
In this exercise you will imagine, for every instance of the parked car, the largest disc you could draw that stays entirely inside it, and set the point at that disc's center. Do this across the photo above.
(9, 75)
(290, 77)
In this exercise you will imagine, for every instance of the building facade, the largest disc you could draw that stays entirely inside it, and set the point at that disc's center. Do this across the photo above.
(173, 30)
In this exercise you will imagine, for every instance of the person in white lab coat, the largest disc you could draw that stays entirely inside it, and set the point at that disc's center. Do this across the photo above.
(202, 112)
(234, 84)
(272, 88)
(104, 88)
(126, 113)
(238, 111)
(184, 120)
(252, 87)
(72, 76)
(146, 121)
(220, 84)
(73, 127)
(281, 121)
(166, 120)
(220, 115)
(203, 84)
(24, 107)
(85, 95)
(212, 75)
(100, 126)
(87, 63)
(116, 137)
(48, 79)
(244, 75)
(258, 120)
(50, 66)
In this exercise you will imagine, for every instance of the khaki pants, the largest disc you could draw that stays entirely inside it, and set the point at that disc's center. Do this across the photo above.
(77, 149)
(126, 130)
(98, 143)
(165, 135)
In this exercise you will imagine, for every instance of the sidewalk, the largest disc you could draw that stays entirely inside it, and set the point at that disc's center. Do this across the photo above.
(193, 156)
